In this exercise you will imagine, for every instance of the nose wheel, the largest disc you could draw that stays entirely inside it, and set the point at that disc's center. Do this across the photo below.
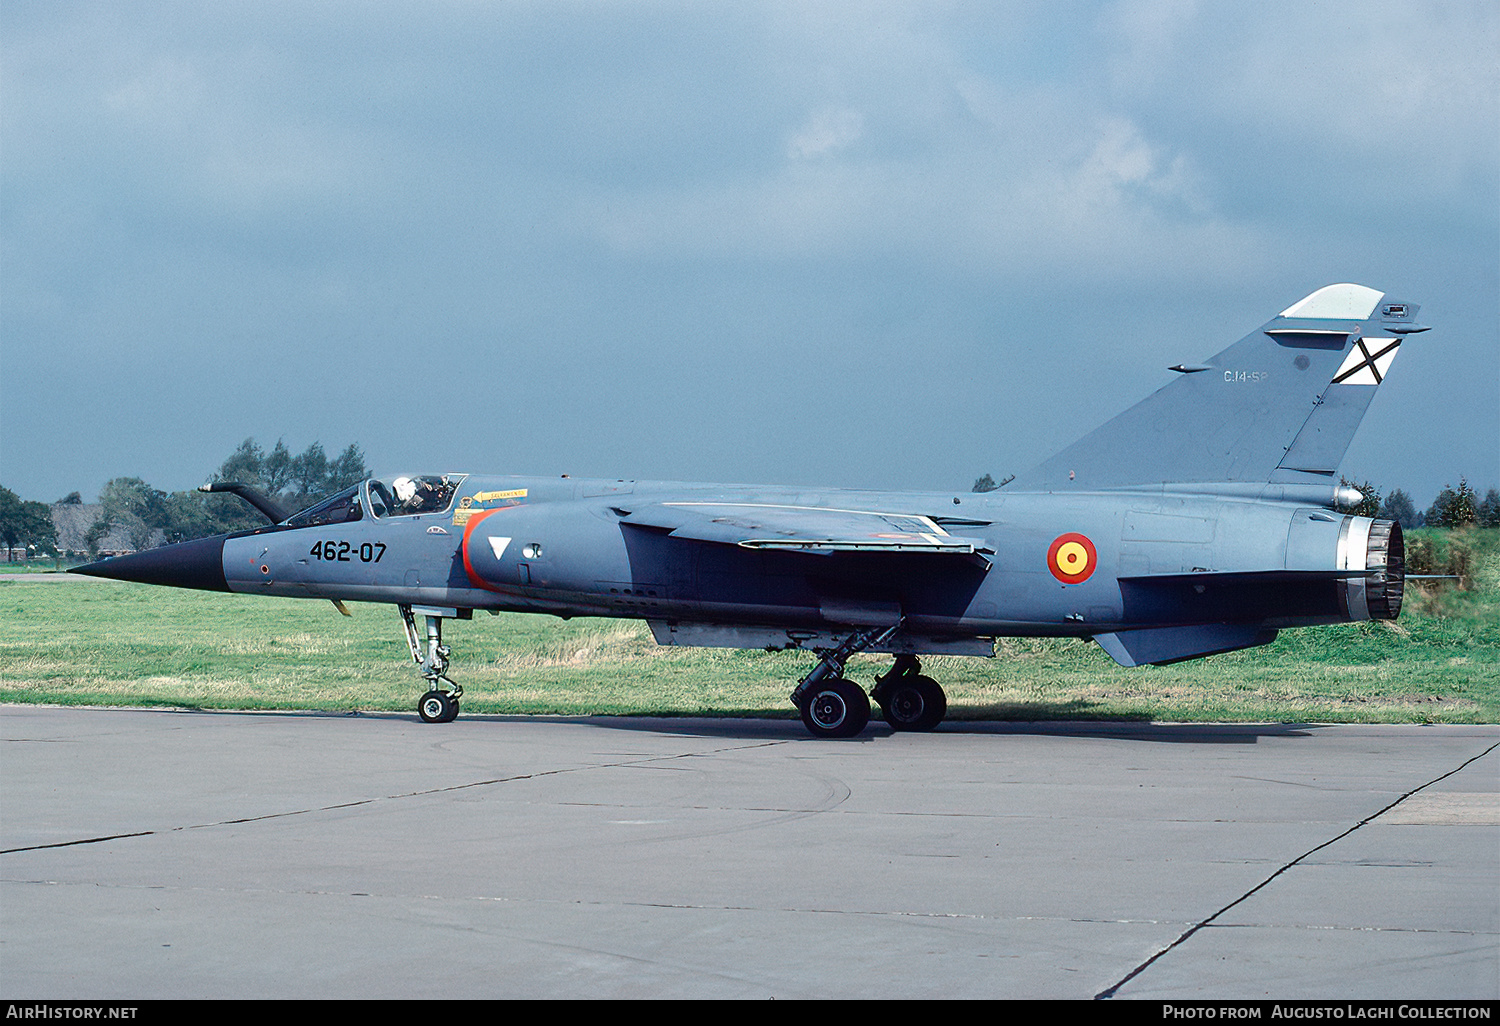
(439, 704)
(438, 707)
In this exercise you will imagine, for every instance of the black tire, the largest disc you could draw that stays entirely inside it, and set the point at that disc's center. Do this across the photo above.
(437, 707)
(836, 708)
(914, 703)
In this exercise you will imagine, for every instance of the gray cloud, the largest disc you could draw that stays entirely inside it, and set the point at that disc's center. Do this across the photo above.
(878, 244)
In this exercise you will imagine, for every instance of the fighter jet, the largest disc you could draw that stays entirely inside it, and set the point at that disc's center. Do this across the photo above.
(1202, 520)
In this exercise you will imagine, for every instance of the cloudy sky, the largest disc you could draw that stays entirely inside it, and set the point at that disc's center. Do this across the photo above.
(866, 244)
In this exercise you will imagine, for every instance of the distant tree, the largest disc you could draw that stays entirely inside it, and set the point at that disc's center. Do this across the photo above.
(293, 481)
(1369, 505)
(989, 484)
(1454, 507)
(1398, 506)
(348, 469)
(71, 499)
(226, 513)
(94, 536)
(244, 464)
(133, 505)
(1489, 509)
(276, 469)
(310, 472)
(186, 517)
(24, 523)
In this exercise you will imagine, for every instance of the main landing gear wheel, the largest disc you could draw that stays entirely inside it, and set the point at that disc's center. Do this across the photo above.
(914, 703)
(908, 699)
(835, 708)
(438, 707)
(830, 705)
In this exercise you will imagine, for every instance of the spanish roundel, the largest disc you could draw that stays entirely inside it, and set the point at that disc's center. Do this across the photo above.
(1071, 558)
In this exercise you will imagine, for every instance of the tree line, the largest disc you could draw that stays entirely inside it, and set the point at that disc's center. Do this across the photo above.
(297, 481)
(1454, 507)
(25, 523)
(151, 516)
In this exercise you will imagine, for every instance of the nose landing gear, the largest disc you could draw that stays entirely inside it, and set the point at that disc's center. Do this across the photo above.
(438, 705)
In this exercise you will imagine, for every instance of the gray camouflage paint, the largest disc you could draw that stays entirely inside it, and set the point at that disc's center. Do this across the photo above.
(1202, 519)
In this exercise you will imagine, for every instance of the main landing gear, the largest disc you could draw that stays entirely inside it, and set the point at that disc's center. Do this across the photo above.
(438, 705)
(832, 706)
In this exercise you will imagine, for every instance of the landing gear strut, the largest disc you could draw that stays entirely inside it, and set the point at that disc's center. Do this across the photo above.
(831, 706)
(438, 705)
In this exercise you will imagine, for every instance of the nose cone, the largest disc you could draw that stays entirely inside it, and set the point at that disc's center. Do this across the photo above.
(192, 564)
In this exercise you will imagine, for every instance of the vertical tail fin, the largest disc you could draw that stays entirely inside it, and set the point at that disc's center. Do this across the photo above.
(1279, 406)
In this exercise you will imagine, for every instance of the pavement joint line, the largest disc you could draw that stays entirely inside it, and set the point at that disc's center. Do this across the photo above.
(1110, 992)
(81, 840)
(792, 910)
(391, 797)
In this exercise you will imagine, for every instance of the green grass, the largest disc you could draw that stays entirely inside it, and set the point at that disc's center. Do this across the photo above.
(107, 643)
(38, 566)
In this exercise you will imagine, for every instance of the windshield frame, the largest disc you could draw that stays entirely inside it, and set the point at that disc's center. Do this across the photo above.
(351, 498)
(381, 503)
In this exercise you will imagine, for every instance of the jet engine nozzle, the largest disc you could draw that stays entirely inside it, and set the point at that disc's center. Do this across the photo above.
(1378, 547)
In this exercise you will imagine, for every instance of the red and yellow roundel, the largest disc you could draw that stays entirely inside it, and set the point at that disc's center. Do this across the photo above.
(1071, 558)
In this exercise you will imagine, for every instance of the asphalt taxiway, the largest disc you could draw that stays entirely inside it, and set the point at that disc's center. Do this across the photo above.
(160, 854)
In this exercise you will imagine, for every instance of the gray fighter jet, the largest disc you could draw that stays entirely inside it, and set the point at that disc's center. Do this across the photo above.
(1201, 520)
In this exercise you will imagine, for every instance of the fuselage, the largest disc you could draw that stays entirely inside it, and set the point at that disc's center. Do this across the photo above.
(562, 546)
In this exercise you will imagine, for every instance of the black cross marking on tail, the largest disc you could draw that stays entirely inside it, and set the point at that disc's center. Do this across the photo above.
(1369, 360)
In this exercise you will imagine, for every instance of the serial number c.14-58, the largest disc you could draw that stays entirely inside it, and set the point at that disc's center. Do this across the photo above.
(344, 552)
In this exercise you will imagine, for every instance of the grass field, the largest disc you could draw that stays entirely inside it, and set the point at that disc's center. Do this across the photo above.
(107, 643)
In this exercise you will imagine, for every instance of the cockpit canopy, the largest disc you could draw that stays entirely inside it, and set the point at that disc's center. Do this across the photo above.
(401, 496)
(409, 494)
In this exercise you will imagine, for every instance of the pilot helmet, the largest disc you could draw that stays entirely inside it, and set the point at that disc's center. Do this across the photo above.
(404, 487)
